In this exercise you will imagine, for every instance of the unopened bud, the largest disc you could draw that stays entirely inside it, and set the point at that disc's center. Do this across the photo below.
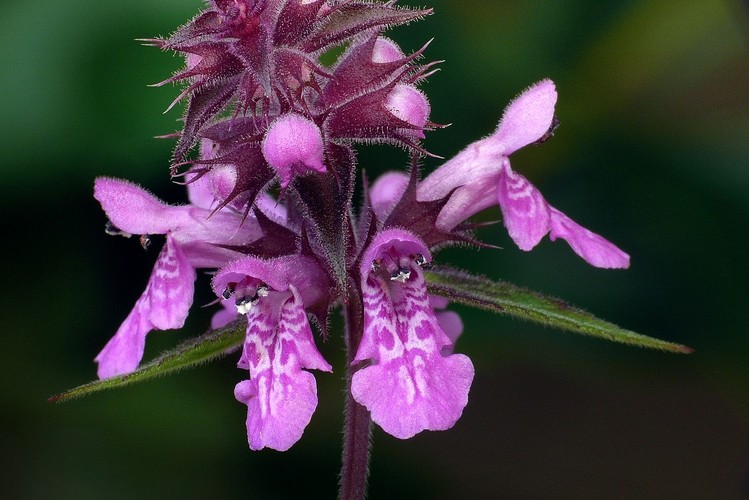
(293, 144)
(410, 105)
(385, 51)
(192, 60)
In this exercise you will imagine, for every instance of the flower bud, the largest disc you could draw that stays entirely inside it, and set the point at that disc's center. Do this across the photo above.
(386, 192)
(293, 144)
(407, 103)
(216, 185)
(385, 51)
(192, 60)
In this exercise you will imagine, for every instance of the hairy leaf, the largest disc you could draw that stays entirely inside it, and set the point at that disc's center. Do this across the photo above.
(211, 345)
(506, 298)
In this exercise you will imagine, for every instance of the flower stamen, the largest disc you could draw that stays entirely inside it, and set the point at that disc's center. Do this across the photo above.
(401, 275)
(229, 290)
(113, 230)
(247, 302)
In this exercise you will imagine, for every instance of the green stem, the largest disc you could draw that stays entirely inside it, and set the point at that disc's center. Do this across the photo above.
(357, 429)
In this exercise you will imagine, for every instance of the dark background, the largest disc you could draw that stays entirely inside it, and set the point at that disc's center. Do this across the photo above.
(652, 152)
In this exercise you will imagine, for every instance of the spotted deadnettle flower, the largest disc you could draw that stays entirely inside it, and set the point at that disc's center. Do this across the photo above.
(280, 395)
(192, 241)
(414, 382)
(481, 176)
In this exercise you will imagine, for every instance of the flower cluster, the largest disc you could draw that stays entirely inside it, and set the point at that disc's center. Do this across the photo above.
(271, 211)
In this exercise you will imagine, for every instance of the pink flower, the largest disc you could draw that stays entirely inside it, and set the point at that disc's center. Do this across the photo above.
(192, 240)
(269, 113)
(481, 176)
(414, 382)
(280, 395)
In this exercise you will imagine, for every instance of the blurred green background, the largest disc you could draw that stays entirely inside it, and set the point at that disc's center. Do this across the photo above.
(652, 152)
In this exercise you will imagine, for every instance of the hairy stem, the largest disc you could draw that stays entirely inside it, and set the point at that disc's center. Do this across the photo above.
(357, 428)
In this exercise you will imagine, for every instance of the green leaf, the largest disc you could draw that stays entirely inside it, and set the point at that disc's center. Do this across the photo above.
(211, 345)
(506, 298)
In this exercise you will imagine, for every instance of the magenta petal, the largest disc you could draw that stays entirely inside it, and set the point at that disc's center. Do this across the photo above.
(124, 351)
(293, 271)
(386, 192)
(468, 200)
(225, 315)
(475, 170)
(134, 210)
(394, 242)
(279, 408)
(164, 304)
(217, 184)
(438, 302)
(478, 162)
(294, 326)
(528, 217)
(199, 191)
(171, 287)
(595, 249)
(449, 321)
(131, 208)
(527, 118)
(524, 210)
(280, 397)
(415, 392)
(451, 324)
(411, 386)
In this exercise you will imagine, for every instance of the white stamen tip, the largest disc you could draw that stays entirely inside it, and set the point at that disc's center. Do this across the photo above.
(245, 304)
(401, 275)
